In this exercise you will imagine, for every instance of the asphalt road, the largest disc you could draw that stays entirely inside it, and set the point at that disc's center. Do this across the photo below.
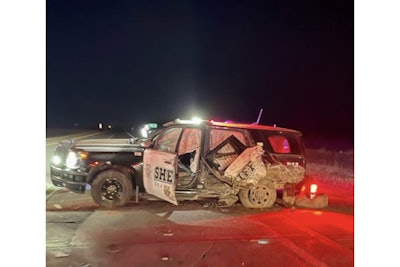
(156, 233)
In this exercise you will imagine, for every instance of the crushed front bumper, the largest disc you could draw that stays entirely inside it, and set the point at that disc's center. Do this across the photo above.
(74, 181)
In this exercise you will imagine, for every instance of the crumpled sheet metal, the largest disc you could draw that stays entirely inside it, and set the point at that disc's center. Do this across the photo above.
(228, 195)
(280, 174)
(248, 168)
(250, 156)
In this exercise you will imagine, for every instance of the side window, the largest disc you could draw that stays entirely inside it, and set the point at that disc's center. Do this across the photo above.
(217, 136)
(279, 144)
(167, 141)
(189, 148)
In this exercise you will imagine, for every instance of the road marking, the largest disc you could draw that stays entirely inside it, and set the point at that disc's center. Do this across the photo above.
(50, 195)
(62, 138)
(320, 237)
(290, 245)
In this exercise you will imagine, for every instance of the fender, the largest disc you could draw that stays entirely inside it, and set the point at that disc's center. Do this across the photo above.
(129, 172)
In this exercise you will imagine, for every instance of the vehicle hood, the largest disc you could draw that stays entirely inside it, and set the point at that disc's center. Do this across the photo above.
(107, 145)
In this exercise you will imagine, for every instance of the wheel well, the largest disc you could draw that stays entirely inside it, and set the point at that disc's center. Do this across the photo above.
(128, 172)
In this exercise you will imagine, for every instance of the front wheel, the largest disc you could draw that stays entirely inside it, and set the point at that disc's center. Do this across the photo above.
(111, 189)
(260, 196)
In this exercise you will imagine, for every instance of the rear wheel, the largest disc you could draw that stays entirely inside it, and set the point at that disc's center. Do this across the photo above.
(262, 195)
(111, 189)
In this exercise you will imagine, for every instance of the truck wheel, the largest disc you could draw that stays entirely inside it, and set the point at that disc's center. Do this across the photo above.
(111, 189)
(260, 196)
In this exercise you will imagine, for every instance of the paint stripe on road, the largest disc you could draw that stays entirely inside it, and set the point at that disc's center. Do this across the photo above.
(62, 138)
(290, 245)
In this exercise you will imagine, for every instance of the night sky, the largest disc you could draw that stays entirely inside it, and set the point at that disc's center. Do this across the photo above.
(129, 62)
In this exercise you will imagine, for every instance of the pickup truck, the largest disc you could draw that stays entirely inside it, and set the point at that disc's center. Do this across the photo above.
(258, 165)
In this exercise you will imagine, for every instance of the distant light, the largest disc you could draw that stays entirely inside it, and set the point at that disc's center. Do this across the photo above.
(196, 120)
(109, 127)
(152, 125)
(144, 132)
(100, 125)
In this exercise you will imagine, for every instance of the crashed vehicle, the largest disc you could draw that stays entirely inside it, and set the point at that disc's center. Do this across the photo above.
(258, 165)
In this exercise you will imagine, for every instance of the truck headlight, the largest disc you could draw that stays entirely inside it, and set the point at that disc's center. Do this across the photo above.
(72, 160)
(57, 160)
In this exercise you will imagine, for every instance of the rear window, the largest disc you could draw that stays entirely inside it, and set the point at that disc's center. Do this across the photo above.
(278, 142)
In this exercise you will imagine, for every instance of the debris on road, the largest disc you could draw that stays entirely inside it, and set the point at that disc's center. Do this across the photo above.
(62, 254)
(318, 202)
(168, 233)
(114, 248)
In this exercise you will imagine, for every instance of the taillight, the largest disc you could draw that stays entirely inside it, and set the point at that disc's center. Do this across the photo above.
(313, 190)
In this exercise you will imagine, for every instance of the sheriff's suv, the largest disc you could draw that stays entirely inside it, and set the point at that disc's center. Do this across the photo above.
(188, 160)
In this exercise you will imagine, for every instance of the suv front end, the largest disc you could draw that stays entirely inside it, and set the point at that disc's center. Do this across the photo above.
(67, 168)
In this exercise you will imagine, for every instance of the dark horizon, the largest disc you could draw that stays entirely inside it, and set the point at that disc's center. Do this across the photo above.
(127, 63)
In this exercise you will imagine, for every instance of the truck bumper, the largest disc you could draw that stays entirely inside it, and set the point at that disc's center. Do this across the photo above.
(74, 181)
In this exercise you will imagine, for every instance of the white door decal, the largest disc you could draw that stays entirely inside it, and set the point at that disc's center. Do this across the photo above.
(159, 174)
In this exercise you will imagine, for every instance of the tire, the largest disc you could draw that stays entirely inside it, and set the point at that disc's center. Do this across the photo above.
(260, 196)
(111, 189)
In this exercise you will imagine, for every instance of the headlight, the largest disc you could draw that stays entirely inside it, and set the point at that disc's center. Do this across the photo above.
(72, 160)
(56, 160)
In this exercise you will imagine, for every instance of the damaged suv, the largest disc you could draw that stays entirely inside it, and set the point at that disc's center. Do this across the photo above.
(257, 165)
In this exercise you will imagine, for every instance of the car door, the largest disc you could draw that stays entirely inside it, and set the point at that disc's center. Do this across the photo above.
(160, 166)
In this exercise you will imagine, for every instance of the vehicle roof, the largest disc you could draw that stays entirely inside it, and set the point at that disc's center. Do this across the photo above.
(230, 124)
